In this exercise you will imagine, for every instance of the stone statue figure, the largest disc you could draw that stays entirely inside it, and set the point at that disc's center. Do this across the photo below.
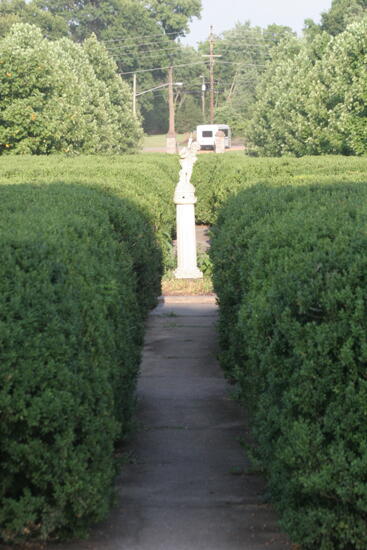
(184, 189)
(185, 214)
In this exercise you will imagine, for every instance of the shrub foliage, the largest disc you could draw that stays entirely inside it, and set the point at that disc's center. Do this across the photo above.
(217, 177)
(81, 265)
(290, 273)
(311, 99)
(59, 96)
(148, 180)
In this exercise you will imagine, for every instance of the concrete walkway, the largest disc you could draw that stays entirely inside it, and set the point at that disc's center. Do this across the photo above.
(188, 486)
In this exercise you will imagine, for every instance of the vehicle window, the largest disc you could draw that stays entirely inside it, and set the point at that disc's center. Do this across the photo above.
(207, 133)
(225, 132)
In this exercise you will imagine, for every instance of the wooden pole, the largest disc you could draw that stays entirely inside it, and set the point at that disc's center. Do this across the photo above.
(134, 94)
(203, 89)
(171, 104)
(211, 65)
(171, 145)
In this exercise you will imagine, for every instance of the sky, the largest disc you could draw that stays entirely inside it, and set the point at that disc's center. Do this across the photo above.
(224, 14)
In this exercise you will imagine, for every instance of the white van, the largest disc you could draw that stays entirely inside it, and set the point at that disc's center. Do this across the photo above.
(205, 135)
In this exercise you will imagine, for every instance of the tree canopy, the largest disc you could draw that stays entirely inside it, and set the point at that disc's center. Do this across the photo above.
(173, 15)
(313, 101)
(341, 14)
(138, 35)
(283, 93)
(57, 97)
(245, 50)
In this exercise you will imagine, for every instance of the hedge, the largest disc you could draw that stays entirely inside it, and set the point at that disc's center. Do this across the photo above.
(290, 271)
(148, 180)
(216, 177)
(78, 270)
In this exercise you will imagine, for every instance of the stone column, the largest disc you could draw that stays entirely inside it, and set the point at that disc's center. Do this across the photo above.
(219, 142)
(185, 201)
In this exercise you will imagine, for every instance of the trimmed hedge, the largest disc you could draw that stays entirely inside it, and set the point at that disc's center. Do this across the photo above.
(148, 180)
(78, 270)
(290, 270)
(217, 177)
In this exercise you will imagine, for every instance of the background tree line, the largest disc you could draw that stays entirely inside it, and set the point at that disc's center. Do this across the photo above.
(61, 96)
(138, 35)
(282, 93)
(312, 96)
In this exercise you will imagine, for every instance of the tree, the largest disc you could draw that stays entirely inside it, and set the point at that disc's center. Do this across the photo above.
(41, 108)
(334, 21)
(173, 15)
(126, 130)
(342, 78)
(138, 34)
(19, 11)
(271, 110)
(245, 51)
(341, 14)
(314, 101)
(188, 115)
(53, 101)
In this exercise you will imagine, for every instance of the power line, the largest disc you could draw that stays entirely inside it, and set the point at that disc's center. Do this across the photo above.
(250, 33)
(224, 84)
(119, 44)
(151, 59)
(241, 63)
(131, 38)
(189, 65)
(136, 46)
(154, 50)
(163, 68)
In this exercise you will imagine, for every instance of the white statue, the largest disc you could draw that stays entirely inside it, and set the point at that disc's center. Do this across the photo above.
(184, 189)
(185, 211)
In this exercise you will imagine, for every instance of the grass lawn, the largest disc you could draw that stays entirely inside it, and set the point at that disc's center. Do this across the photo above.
(159, 141)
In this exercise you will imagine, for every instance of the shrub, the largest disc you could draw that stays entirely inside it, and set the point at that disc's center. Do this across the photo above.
(217, 177)
(147, 180)
(74, 263)
(290, 271)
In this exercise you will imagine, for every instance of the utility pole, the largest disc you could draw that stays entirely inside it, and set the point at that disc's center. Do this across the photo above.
(203, 90)
(134, 94)
(211, 42)
(171, 145)
(171, 104)
(211, 67)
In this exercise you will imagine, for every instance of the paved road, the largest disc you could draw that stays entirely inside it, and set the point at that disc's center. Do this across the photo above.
(189, 486)
(163, 150)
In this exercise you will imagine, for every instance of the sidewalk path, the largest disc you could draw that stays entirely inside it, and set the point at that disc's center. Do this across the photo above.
(188, 487)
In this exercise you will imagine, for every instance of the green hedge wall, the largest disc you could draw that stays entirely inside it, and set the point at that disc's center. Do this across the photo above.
(290, 270)
(217, 177)
(148, 180)
(78, 270)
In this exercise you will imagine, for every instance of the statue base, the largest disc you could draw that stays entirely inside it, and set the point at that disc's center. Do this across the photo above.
(188, 274)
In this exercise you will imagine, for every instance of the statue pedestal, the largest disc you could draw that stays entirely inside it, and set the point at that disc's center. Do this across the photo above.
(185, 201)
(186, 243)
